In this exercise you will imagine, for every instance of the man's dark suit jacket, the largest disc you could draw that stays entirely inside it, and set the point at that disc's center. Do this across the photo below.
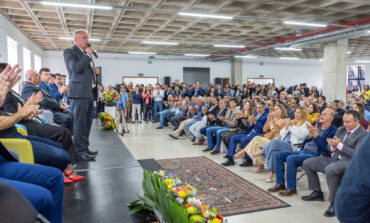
(48, 102)
(81, 75)
(11, 106)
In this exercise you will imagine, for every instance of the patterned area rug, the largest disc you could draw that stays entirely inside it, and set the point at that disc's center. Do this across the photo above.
(230, 193)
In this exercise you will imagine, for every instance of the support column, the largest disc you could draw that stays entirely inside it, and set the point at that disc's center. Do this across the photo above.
(237, 71)
(335, 70)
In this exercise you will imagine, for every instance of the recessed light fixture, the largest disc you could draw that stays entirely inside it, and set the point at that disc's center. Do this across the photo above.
(71, 38)
(246, 56)
(228, 46)
(368, 31)
(362, 61)
(159, 43)
(77, 5)
(305, 24)
(196, 55)
(349, 52)
(287, 49)
(205, 15)
(143, 53)
(289, 58)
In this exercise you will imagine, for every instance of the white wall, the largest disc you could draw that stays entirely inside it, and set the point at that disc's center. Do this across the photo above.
(285, 72)
(114, 66)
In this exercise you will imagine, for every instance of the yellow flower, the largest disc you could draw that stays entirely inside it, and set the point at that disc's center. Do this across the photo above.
(182, 194)
(169, 186)
(216, 220)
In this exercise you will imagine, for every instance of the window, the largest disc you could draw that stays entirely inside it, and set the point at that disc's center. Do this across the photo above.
(12, 52)
(37, 61)
(26, 60)
(13, 56)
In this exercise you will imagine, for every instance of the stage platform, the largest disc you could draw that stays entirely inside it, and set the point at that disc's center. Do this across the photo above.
(111, 182)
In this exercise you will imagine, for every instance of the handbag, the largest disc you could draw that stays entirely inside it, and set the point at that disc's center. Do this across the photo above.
(269, 135)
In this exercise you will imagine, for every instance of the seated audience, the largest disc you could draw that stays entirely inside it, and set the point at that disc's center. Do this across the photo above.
(341, 149)
(275, 122)
(242, 123)
(223, 124)
(314, 145)
(61, 115)
(255, 126)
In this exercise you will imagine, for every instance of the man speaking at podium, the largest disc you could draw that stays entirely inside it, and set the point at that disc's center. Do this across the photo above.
(82, 91)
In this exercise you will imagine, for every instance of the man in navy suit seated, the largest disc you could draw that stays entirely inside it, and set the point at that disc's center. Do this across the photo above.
(61, 115)
(255, 126)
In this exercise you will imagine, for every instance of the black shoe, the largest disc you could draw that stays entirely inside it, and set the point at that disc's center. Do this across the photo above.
(330, 212)
(193, 140)
(86, 157)
(208, 149)
(91, 153)
(159, 127)
(215, 152)
(122, 134)
(246, 163)
(225, 156)
(314, 196)
(229, 162)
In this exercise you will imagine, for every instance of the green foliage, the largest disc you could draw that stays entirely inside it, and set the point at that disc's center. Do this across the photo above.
(156, 196)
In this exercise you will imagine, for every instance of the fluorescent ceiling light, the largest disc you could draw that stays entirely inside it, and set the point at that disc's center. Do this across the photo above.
(321, 59)
(71, 38)
(368, 31)
(362, 61)
(159, 43)
(304, 24)
(228, 46)
(205, 15)
(287, 49)
(289, 58)
(145, 53)
(196, 55)
(249, 56)
(77, 5)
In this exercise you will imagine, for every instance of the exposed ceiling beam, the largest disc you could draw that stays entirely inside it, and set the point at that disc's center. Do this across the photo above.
(116, 21)
(35, 20)
(143, 21)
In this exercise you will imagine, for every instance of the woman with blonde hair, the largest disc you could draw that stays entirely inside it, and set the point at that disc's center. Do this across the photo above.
(292, 136)
(275, 121)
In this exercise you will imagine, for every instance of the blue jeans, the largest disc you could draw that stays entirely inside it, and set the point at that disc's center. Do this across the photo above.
(293, 159)
(47, 152)
(42, 186)
(163, 115)
(157, 107)
(243, 139)
(203, 130)
(270, 150)
(217, 130)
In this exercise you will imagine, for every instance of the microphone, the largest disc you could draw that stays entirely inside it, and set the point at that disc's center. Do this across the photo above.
(95, 55)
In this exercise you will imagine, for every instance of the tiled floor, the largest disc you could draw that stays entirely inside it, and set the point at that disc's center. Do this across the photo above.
(145, 142)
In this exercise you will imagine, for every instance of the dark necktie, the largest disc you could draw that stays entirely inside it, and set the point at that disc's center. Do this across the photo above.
(347, 135)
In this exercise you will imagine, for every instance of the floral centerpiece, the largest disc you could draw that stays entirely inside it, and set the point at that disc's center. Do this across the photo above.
(109, 97)
(174, 201)
(107, 121)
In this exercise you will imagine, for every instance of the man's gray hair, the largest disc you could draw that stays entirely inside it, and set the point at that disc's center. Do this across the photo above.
(28, 75)
(78, 31)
